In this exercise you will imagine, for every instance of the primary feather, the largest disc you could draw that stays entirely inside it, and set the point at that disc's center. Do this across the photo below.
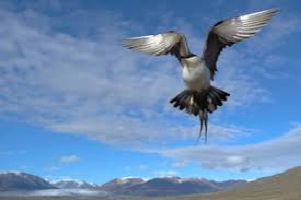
(230, 31)
(161, 44)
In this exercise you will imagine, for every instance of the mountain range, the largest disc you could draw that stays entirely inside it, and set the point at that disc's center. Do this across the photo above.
(283, 186)
(165, 186)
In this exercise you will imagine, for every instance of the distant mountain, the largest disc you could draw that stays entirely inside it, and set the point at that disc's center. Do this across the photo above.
(284, 186)
(118, 185)
(22, 181)
(73, 184)
(167, 186)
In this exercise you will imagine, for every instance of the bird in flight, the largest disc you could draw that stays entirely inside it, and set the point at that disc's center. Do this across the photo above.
(200, 97)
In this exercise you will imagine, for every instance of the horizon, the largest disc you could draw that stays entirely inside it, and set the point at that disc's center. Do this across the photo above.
(80, 181)
(55, 180)
(76, 104)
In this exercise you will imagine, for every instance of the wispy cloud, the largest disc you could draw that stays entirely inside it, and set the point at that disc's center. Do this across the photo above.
(165, 173)
(51, 168)
(69, 159)
(284, 151)
(143, 167)
(12, 153)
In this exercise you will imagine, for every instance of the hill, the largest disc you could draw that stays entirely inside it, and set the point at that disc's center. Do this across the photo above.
(284, 186)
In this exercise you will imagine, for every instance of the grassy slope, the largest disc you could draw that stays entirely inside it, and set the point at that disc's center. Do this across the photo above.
(286, 186)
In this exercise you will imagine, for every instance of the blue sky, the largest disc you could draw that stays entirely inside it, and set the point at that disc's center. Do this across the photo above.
(75, 104)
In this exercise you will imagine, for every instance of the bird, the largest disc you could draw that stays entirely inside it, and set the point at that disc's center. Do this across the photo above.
(200, 97)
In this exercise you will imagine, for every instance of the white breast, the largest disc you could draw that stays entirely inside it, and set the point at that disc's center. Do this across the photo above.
(195, 74)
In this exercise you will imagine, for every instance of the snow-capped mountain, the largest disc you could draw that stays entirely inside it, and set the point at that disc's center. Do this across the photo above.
(73, 184)
(22, 181)
(120, 184)
(31, 185)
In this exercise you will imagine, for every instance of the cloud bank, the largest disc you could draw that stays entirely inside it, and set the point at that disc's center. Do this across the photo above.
(280, 153)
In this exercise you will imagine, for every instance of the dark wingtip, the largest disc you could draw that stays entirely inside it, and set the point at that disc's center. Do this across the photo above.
(172, 100)
(122, 42)
(125, 43)
(274, 10)
(218, 23)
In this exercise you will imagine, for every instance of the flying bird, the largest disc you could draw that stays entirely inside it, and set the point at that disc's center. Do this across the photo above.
(200, 97)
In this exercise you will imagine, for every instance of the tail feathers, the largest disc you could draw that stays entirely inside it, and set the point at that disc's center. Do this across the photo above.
(200, 104)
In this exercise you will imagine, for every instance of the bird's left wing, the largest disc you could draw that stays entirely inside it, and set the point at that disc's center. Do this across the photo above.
(233, 30)
(161, 44)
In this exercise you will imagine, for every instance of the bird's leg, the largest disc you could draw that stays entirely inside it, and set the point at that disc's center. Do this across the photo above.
(206, 126)
(203, 117)
(201, 129)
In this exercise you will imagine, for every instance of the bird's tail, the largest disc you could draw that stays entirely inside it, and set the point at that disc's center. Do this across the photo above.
(200, 104)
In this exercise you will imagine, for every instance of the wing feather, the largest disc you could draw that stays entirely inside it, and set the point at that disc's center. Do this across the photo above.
(228, 32)
(161, 44)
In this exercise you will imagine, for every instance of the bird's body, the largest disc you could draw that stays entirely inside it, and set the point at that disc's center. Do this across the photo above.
(195, 73)
(200, 97)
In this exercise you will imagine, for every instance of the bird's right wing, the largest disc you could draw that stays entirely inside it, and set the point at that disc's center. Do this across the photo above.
(233, 30)
(161, 44)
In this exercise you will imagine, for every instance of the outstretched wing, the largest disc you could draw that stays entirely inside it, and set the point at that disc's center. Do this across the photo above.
(161, 44)
(233, 30)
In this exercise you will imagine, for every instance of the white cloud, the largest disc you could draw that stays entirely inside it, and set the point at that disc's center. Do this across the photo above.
(143, 167)
(179, 164)
(69, 159)
(11, 153)
(165, 173)
(285, 151)
(52, 168)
